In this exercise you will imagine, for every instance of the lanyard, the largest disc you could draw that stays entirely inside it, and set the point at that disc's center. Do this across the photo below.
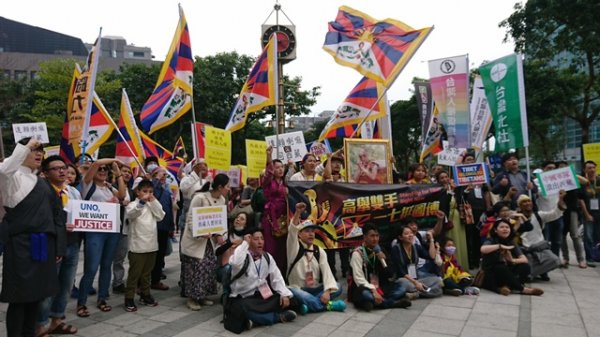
(370, 261)
(258, 268)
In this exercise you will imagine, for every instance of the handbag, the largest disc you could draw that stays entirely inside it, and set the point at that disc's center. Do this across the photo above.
(478, 280)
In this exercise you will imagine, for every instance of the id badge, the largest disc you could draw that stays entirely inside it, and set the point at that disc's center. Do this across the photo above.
(309, 279)
(412, 271)
(594, 204)
(374, 280)
(265, 290)
(478, 193)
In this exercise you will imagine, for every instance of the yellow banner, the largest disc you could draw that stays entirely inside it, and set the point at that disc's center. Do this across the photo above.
(256, 157)
(592, 152)
(218, 148)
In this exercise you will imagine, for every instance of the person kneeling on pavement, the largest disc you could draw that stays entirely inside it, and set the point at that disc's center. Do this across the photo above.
(370, 286)
(258, 291)
(309, 276)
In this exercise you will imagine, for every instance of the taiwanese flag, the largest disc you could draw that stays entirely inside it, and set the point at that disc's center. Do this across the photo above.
(367, 95)
(260, 89)
(376, 49)
(129, 146)
(172, 96)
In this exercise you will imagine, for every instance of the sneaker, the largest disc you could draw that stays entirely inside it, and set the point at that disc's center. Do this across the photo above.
(472, 291)
(120, 289)
(206, 302)
(453, 292)
(402, 303)
(368, 306)
(130, 305)
(148, 301)
(412, 296)
(159, 286)
(591, 264)
(193, 304)
(337, 305)
(249, 324)
(304, 309)
(74, 292)
(287, 316)
(545, 277)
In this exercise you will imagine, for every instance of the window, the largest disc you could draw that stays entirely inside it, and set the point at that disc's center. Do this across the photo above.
(138, 54)
(20, 75)
(33, 75)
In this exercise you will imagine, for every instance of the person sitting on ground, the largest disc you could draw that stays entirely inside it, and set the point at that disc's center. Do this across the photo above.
(504, 265)
(405, 256)
(371, 286)
(235, 232)
(457, 281)
(309, 277)
(258, 291)
(537, 249)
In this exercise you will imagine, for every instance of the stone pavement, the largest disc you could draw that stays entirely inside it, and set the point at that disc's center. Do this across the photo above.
(568, 308)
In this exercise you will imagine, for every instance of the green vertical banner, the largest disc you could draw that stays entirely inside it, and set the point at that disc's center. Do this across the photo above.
(505, 91)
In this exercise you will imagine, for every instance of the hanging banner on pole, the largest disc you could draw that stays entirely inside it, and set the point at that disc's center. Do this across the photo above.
(505, 91)
(450, 90)
(425, 105)
(481, 116)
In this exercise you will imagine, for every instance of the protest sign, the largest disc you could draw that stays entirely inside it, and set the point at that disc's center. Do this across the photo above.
(449, 156)
(218, 148)
(256, 157)
(33, 130)
(470, 174)
(320, 150)
(234, 175)
(288, 146)
(551, 182)
(92, 216)
(209, 220)
(591, 152)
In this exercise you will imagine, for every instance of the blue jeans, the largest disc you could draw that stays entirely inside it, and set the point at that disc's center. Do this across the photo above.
(260, 318)
(591, 231)
(99, 251)
(553, 233)
(396, 292)
(67, 268)
(312, 297)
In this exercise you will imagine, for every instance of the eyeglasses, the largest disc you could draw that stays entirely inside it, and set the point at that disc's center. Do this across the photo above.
(39, 149)
(57, 168)
(103, 168)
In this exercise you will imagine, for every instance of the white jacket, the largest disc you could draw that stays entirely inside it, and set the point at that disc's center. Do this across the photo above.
(143, 235)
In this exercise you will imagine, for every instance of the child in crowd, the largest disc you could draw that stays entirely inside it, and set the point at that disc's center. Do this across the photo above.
(143, 214)
(456, 280)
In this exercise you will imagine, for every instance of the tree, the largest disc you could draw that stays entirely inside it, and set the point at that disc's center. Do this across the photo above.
(563, 35)
(16, 100)
(406, 125)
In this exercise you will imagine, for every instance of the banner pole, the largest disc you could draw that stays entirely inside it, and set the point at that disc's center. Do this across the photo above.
(528, 168)
(369, 113)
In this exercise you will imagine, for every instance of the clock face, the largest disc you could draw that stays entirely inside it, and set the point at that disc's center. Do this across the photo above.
(286, 41)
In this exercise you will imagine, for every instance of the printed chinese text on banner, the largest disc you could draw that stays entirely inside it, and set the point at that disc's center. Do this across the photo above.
(218, 148)
(340, 210)
(355, 108)
(449, 78)
(260, 89)
(287, 146)
(376, 49)
(591, 151)
(481, 117)
(129, 148)
(172, 95)
(432, 143)
(425, 105)
(505, 91)
(101, 124)
(256, 157)
(553, 181)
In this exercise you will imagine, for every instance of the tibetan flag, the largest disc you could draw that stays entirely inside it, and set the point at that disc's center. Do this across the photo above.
(260, 89)
(172, 96)
(179, 146)
(432, 143)
(367, 95)
(199, 132)
(165, 157)
(100, 127)
(129, 145)
(376, 49)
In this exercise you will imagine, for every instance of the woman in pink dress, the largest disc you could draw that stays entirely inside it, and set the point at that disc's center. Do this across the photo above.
(275, 214)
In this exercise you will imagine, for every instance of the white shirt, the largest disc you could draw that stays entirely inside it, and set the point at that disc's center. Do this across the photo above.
(256, 274)
(16, 180)
(189, 185)
(536, 235)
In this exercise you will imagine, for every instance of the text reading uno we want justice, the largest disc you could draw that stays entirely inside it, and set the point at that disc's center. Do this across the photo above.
(92, 211)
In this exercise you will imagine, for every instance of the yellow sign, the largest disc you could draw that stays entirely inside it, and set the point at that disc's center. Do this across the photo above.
(218, 148)
(592, 152)
(256, 157)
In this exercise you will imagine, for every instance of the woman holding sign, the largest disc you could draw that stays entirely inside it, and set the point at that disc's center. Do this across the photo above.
(198, 260)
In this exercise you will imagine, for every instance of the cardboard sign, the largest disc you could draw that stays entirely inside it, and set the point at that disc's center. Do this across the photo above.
(38, 131)
(218, 148)
(449, 156)
(470, 174)
(288, 146)
(92, 216)
(234, 175)
(551, 182)
(209, 220)
(256, 157)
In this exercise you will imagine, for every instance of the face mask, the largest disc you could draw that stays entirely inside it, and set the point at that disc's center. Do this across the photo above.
(450, 250)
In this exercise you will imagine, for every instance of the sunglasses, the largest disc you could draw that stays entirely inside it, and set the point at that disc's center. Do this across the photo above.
(103, 168)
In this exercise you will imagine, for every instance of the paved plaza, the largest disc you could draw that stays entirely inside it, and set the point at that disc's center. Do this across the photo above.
(570, 307)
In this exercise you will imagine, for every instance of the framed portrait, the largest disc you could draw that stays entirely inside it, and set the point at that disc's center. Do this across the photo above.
(368, 161)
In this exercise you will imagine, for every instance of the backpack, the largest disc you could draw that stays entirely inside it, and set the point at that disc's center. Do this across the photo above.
(301, 252)
(257, 201)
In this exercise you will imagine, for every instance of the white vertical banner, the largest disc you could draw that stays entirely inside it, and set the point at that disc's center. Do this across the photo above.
(481, 116)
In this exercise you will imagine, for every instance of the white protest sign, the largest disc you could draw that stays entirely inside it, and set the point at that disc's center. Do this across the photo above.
(209, 220)
(551, 182)
(92, 216)
(33, 130)
(288, 146)
(449, 156)
(234, 175)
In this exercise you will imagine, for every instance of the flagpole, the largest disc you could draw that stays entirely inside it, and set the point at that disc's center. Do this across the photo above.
(528, 168)
(127, 145)
(369, 113)
(90, 99)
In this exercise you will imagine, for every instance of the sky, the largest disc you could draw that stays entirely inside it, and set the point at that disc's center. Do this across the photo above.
(461, 27)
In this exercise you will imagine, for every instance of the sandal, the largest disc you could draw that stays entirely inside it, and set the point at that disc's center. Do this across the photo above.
(63, 329)
(82, 311)
(103, 306)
